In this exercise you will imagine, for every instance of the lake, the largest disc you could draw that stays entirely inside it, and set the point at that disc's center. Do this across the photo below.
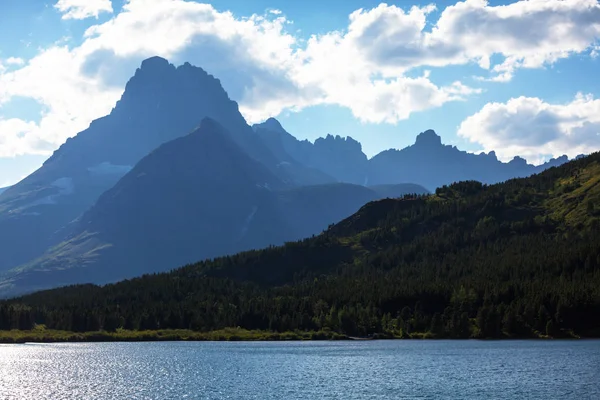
(303, 370)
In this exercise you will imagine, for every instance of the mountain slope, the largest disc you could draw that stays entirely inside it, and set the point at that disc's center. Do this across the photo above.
(432, 164)
(341, 158)
(160, 102)
(195, 197)
(192, 195)
(428, 162)
(311, 209)
(516, 259)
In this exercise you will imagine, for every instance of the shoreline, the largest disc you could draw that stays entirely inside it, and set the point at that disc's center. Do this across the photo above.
(224, 335)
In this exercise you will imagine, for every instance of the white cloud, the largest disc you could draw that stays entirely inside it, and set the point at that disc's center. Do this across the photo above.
(268, 70)
(530, 127)
(14, 61)
(10, 62)
(529, 34)
(18, 137)
(82, 9)
(255, 58)
(71, 100)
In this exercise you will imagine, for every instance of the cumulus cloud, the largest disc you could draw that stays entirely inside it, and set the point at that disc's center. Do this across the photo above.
(10, 62)
(530, 127)
(18, 137)
(82, 9)
(528, 34)
(15, 61)
(257, 60)
(71, 100)
(267, 69)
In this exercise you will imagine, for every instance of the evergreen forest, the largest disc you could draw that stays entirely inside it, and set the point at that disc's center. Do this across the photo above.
(511, 260)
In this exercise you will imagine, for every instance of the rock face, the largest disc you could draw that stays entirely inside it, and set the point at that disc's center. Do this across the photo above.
(341, 158)
(161, 102)
(428, 162)
(432, 164)
(175, 174)
(428, 140)
(195, 197)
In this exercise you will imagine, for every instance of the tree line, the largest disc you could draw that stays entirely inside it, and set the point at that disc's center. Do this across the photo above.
(517, 259)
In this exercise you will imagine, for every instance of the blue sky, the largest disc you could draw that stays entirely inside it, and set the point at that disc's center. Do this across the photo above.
(514, 77)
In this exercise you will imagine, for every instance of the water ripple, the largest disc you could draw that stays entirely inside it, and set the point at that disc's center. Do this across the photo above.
(378, 370)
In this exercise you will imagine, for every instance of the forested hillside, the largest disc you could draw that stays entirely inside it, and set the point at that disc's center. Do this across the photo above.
(517, 259)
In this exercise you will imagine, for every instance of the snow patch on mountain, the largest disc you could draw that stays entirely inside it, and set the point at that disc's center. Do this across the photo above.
(65, 187)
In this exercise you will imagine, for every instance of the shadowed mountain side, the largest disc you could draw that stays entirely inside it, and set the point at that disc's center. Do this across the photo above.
(341, 158)
(196, 197)
(432, 164)
(198, 194)
(309, 210)
(160, 102)
(428, 162)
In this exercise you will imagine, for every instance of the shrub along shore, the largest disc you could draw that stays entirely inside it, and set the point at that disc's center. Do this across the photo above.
(43, 335)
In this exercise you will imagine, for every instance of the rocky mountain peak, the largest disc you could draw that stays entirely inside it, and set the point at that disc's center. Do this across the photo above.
(270, 124)
(428, 139)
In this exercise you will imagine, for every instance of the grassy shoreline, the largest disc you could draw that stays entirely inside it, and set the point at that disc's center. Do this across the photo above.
(228, 334)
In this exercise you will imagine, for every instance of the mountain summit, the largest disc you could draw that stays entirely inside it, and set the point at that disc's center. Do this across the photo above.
(341, 158)
(428, 162)
(161, 102)
(428, 139)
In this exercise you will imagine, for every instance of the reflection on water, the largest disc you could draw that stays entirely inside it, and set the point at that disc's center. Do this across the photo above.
(307, 370)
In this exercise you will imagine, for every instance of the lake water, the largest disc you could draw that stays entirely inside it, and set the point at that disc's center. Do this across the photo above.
(303, 370)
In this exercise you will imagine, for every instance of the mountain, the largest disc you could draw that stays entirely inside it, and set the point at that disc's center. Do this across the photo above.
(432, 164)
(341, 158)
(76, 215)
(3, 189)
(309, 210)
(198, 196)
(515, 259)
(160, 102)
(428, 162)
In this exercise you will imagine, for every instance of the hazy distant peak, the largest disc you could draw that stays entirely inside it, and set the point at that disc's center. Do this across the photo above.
(344, 144)
(561, 159)
(518, 161)
(270, 124)
(429, 139)
(337, 138)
